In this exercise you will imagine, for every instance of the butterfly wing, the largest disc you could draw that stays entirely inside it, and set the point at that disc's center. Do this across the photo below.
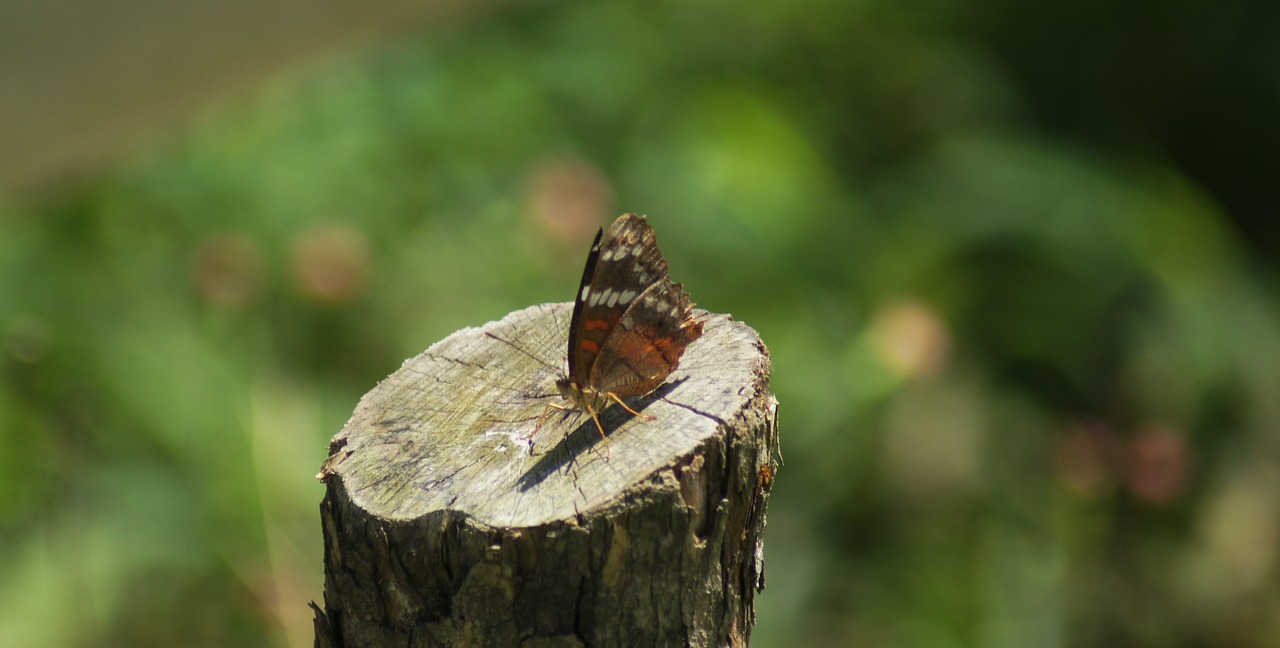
(631, 324)
(577, 356)
(648, 341)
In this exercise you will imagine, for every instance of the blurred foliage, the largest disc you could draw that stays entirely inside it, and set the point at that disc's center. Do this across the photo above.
(1014, 280)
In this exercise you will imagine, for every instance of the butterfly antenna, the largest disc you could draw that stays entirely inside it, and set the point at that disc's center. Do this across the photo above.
(530, 355)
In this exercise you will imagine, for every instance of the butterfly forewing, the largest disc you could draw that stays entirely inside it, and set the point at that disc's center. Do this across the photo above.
(575, 330)
(622, 267)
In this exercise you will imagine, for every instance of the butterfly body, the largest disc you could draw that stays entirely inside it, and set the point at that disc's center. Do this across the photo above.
(630, 323)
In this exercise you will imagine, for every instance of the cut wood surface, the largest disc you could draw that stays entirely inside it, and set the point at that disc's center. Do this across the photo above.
(445, 526)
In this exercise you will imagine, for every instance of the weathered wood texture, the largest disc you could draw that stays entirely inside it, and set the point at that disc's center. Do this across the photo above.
(443, 528)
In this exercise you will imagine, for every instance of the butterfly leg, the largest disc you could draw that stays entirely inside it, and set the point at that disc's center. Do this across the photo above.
(550, 406)
(617, 400)
(596, 417)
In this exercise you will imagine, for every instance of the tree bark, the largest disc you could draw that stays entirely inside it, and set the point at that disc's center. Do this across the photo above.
(443, 527)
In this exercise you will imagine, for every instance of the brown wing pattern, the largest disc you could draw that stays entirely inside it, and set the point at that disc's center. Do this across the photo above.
(576, 357)
(627, 264)
(646, 345)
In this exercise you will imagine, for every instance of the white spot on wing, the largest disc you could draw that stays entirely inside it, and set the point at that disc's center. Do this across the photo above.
(626, 296)
(596, 298)
(613, 299)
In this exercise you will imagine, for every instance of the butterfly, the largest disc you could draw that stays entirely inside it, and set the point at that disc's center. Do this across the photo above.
(630, 323)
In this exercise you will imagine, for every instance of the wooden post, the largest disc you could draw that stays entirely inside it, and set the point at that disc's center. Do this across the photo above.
(442, 527)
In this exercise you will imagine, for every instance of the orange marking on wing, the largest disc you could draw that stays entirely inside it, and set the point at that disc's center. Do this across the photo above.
(634, 347)
(592, 325)
(589, 345)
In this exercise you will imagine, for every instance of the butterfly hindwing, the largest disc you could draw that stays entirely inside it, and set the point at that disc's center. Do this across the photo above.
(643, 349)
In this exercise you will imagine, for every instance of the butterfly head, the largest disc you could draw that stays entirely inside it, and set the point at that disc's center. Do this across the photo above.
(584, 398)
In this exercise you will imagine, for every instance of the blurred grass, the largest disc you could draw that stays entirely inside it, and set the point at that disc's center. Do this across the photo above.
(1028, 376)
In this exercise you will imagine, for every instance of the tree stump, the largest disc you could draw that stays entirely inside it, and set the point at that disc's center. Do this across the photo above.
(443, 527)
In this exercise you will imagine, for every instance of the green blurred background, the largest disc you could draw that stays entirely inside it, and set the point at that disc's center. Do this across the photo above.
(1015, 263)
